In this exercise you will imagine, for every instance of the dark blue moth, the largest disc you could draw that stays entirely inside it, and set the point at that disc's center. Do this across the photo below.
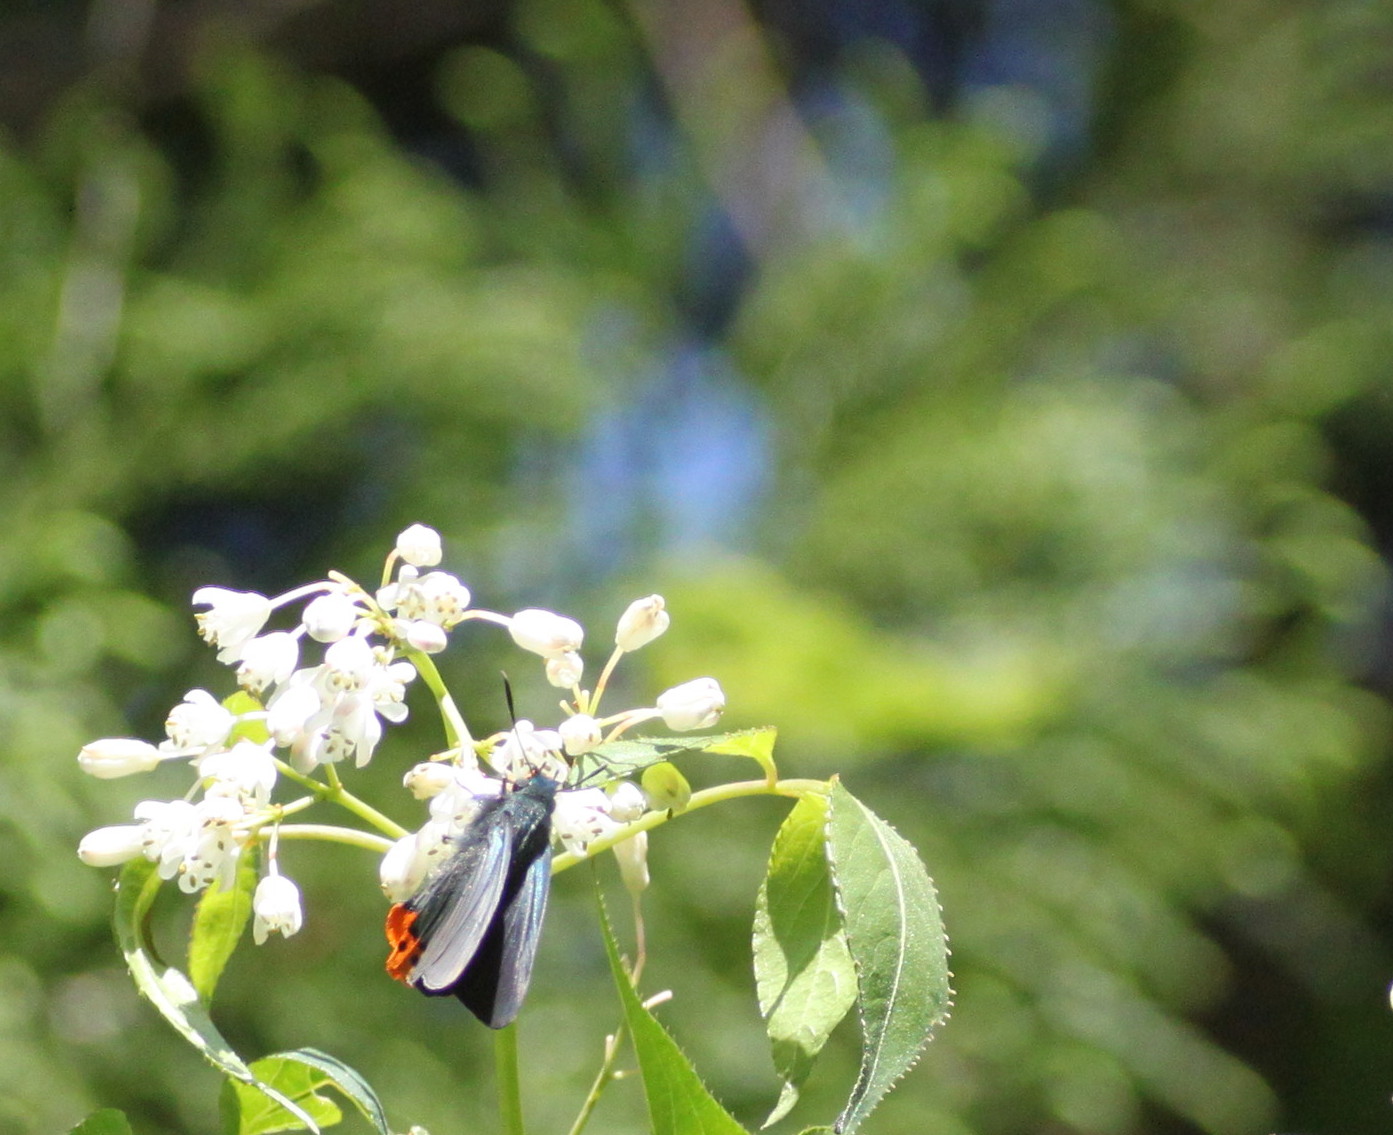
(472, 928)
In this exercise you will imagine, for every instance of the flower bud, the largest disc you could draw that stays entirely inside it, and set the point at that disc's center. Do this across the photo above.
(641, 623)
(429, 778)
(330, 617)
(564, 670)
(107, 847)
(276, 906)
(632, 855)
(697, 704)
(117, 756)
(627, 801)
(426, 637)
(545, 632)
(580, 733)
(420, 546)
(397, 869)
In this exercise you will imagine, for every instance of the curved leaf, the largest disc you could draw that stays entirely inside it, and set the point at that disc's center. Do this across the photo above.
(168, 989)
(678, 1102)
(249, 1111)
(105, 1121)
(346, 1080)
(803, 971)
(894, 930)
(633, 755)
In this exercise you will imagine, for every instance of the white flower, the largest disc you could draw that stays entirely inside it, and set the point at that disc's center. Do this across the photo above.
(196, 724)
(627, 801)
(349, 663)
(632, 854)
(581, 817)
(425, 637)
(246, 773)
(212, 855)
(397, 871)
(526, 751)
(564, 670)
(267, 660)
(458, 803)
(292, 705)
(697, 704)
(232, 618)
(436, 597)
(107, 847)
(580, 733)
(113, 757)
(429, 778)
(330, 617)
(276, 906)
(167, 832)
(545, 632)
(641, 623)
(420, 546)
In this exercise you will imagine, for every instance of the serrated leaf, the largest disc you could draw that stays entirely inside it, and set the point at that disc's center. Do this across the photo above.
(167, 988)
(346, 1080)
(804, 974)
(894, 930)
(219, 920)
(633, 755)
(105, 1121)
(249, 1111)
(678, 1102)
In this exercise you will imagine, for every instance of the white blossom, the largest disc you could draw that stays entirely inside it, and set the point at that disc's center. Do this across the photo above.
(276, 908)
(581, 817)
(627, 801)
(697, 704)
(114, 757)
(267, 660)
(642, 622)
(564, 670)
(429, 778)
(580, 733)
(246, 773)
(420, 546)
(545, 632)
(196, 724)
(424, 636)
(232, 618)
(527, 751)
(330, 617)
(398, 869)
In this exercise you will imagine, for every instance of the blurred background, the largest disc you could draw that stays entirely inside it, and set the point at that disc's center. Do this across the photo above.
(998, 391)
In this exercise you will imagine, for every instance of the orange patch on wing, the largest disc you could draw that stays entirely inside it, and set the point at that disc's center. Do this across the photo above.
(406, 947)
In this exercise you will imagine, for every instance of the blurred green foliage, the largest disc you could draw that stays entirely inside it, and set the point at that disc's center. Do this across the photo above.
(1064, 558)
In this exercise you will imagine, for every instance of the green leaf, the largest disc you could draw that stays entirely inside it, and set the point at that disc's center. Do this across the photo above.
(625, 758)
(248, 1110)
(218, 923)
(105, 1121)
(346, 1080)
(678, 1102)
(168, 989)
(251, 729)
(894, 930)
(757, 744)
(803, 970)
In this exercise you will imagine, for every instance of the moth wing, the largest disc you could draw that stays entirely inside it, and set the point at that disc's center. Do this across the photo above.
(522, 929)
(467, 893)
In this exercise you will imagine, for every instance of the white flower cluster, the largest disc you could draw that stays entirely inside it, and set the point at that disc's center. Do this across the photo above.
(302, 717)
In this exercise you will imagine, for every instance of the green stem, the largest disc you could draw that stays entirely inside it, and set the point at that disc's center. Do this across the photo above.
(456, 731)
(336, 793)
(505, 1060)
(796, 788)
(328, 832)
(602, 1080)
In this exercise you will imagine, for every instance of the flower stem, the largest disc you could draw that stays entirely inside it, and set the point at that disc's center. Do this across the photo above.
(603, 1077)
(336, 793)
(456, 731)
(796, 788)
(332, 834)
(505, 1060)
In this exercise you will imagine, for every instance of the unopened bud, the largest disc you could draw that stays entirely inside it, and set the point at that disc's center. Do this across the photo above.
(420, 546)
(564, 670)
(545, 632)
(697, 704)
(580, 733)
(641, 623)
(117, 756)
